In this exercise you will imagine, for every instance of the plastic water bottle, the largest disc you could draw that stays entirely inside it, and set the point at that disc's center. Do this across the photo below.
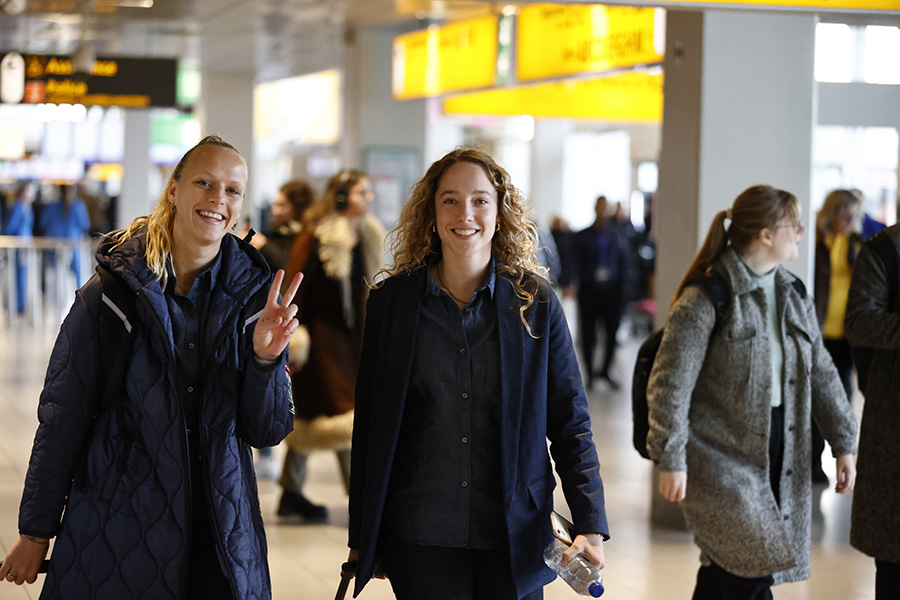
(582, 576)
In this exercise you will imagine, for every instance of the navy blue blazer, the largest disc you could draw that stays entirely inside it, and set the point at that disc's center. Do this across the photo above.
(542, 397)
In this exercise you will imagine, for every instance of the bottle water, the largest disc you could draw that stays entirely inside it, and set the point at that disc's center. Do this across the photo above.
(582, 576)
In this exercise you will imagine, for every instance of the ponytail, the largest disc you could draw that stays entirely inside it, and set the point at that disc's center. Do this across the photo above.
(713, 246)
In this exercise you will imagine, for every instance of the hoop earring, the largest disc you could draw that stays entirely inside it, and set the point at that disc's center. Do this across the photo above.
(498, 227)
(173, 209)
(433, 229)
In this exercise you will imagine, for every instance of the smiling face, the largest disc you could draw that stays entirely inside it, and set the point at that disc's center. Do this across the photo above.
(466, 212)
(207, 196)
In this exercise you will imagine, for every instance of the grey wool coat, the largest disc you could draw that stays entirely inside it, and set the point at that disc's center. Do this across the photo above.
(875, 524)
(709, 397)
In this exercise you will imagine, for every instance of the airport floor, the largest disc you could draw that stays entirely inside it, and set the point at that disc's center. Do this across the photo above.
(645, 562)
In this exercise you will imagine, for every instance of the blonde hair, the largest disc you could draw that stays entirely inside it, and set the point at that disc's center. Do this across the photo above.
(836, 203)
(337, 192)
(414, 242)
(756, 208)
(159, 223)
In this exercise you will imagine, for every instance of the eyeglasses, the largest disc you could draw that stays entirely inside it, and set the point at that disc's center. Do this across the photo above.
(795, 225)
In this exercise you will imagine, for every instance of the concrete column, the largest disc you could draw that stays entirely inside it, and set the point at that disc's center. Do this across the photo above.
(135, 198)
(739, 110)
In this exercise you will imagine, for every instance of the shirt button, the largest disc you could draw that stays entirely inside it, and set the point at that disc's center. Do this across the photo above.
(465, 440)
(466, 484)
(462, 350)
(465, 395)
(191, 345)
(190, 388)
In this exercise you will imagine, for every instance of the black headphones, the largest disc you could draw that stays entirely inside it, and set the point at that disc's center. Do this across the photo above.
(342, 193)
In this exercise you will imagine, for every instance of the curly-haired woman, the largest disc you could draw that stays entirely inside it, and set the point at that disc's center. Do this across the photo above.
(450, 476)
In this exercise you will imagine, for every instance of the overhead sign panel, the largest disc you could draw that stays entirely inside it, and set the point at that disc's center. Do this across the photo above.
(883, 6)
(460, 56)
(125, 82)
(634, 97)
(555, 40)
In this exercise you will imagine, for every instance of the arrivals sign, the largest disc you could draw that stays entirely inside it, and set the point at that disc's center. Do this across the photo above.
(555, 40)
(124, 82)
(852, 6)
(433, 61)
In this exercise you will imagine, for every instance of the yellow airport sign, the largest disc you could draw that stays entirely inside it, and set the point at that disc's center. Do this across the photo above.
(632, 97)
(554, 40)
(437, 60)
(885, 6)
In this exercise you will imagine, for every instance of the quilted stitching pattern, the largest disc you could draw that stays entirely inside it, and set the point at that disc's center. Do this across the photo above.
(125, 535)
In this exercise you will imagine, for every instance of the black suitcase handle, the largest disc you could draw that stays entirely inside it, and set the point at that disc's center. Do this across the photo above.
(348, 572)
(42, 569)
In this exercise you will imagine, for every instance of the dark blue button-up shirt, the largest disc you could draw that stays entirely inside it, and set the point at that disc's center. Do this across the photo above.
(446, 487)
(189, 316)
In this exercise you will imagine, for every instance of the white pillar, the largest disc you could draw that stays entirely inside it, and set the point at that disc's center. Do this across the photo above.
(135, 199)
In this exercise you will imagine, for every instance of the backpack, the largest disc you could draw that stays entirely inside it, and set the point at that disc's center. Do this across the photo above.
(717, 290)
(883, 247)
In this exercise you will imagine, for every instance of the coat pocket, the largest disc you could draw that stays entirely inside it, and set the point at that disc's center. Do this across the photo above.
(803, 342)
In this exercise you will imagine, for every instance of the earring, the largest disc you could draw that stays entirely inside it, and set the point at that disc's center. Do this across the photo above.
(234, 226)
(173, 209)
(498, 226)
(433, 229)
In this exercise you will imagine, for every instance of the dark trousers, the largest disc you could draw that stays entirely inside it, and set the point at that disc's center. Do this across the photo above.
(599, 304)
(437, 573)
(843, 360)
(887, 580)
(205, 580)
(714, 582)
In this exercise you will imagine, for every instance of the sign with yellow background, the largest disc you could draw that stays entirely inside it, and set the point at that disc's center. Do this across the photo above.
(634, 97)
(555, 40)
(460, 56)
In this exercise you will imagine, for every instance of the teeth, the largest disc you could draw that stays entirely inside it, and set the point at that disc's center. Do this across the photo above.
(211, 215)
(465, 231)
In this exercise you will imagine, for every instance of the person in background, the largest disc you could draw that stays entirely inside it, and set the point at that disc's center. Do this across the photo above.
(20, 223)
(67, 219)
(339, 251)
(563, 237)
(291, 201)
(731, 400)
(285, 222)
(468, 368)
(155, 496)
(602, 269)
(837, 244)
(873, 322)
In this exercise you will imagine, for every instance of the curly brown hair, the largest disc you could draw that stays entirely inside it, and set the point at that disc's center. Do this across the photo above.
(414, 243)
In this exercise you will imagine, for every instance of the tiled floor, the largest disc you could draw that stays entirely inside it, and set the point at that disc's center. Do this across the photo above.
(646, 563)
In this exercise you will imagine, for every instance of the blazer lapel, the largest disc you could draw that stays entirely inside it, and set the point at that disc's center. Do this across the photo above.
(512, 364)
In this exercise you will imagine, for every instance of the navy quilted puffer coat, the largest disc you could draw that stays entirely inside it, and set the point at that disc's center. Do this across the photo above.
(126, 535)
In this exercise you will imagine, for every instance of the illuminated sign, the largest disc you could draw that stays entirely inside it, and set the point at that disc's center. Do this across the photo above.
(634, 97)
(460, 56)
(887, 6)
(556, 40)
(125, 82)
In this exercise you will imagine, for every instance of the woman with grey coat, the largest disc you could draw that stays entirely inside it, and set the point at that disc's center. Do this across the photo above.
(873, 322)
(730, 403)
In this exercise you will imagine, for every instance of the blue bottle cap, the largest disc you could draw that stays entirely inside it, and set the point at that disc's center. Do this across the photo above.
(596, 589)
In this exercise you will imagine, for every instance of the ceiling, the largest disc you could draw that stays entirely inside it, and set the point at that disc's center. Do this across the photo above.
(271, 38)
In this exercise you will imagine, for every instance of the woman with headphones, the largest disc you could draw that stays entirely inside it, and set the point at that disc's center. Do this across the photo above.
(339, 251)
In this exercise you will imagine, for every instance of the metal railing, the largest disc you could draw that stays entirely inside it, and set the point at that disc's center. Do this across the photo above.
(43, 267)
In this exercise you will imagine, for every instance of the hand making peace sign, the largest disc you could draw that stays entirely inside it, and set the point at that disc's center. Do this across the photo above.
(277, 323)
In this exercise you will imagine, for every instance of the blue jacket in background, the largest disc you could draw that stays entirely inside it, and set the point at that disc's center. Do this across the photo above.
(126, 535)
(542, 398)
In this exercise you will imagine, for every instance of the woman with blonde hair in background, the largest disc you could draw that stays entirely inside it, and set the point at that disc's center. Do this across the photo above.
(730, 399)
(838, 242)
(468, 368)
(339, 251)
